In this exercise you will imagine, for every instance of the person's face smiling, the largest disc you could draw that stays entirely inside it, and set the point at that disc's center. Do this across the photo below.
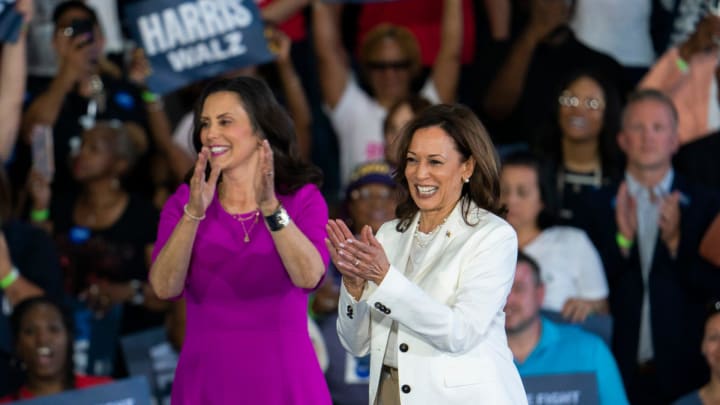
(226, 129)
(42, 342)
(435, 170)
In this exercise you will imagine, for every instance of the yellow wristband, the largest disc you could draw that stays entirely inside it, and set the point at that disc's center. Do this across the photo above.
(623, 242)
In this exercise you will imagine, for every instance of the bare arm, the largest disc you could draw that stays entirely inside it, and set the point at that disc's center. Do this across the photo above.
(446, 69)
(280, 10)
(300, 257)
(12, 88)
(332, 65)
(507, 87)
(13, 71)
(21, 288)
(160, 129)
(499, 13)
(294, 94)
(169, 271)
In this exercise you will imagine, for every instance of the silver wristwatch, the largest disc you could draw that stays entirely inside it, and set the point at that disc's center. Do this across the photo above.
(278, 219)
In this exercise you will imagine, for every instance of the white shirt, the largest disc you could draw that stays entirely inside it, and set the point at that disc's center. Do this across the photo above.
(358, 120)
(619, 28)
(570, 266)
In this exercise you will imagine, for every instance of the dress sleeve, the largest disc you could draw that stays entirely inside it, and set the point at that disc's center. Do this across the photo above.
(309, 211)
(169, 216)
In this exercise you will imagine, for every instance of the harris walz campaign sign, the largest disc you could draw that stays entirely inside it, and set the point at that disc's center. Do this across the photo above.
(10, 21)
(186, 41)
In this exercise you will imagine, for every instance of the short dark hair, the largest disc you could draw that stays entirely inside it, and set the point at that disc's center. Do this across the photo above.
(63, 7)
(651, 95)
(269, 120)
(471, 139)
(546, 184)
(534, 266)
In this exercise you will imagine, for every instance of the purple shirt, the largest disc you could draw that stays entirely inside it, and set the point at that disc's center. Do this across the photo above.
(246, 338)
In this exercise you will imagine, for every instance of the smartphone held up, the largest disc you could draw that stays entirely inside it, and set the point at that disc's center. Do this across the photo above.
(43, 161)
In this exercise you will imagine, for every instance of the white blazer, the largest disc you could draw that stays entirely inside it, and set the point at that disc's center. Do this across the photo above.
(451, 324)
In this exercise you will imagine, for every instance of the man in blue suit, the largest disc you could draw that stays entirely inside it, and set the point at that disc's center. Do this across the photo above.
(648, 231)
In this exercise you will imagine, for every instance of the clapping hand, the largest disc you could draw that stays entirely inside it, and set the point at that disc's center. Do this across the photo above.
(265, 179)
(202, 190)
(362, 258)
(669, 221)
(626, 213)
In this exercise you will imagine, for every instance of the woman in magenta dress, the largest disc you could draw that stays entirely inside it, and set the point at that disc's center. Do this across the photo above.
(243, 243)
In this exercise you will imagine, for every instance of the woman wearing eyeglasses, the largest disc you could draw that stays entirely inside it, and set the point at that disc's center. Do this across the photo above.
(581, 142)
(389, 59)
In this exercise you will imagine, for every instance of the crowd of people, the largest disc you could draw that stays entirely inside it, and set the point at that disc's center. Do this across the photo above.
(413, 203)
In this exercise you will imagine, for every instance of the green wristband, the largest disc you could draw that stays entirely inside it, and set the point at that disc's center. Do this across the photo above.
(149, 97)
(40, 215)
(8, 280)
(623, 242)
(682, 65)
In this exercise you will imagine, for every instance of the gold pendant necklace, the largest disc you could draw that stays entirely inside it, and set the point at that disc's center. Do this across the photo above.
(242, 219)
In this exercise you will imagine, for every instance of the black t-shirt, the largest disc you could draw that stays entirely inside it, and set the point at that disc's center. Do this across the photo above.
(116, 253)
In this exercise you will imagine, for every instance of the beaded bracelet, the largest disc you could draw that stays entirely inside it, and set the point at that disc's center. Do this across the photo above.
(191, 216)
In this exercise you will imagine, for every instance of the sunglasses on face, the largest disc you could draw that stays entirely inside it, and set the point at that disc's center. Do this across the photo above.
(388, 65)
(567, 99)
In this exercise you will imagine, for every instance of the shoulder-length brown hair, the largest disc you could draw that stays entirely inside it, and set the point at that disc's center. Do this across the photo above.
(270, 120)
(471, 140)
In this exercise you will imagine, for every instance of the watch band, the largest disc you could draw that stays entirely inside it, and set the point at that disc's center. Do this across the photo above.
(278, 219)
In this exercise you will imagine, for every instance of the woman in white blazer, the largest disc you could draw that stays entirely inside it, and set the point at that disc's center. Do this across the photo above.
(425, 296)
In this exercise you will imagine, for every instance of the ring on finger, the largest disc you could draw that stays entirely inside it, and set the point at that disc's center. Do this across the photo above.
(357, 262)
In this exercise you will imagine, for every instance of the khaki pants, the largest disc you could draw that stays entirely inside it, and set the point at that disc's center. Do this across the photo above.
(389, 388)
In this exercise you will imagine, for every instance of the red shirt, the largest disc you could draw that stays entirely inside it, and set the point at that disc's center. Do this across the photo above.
(424, 19)
(81, 381)
(294, 27)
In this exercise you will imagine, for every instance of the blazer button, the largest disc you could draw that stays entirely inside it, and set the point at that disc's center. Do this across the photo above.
(405, 388)
(379, 306)
(403, 347)
(387, 311)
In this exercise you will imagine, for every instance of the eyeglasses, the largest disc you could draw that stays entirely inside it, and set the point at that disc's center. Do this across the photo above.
(567, 99)
(364, 194)
(389, 65)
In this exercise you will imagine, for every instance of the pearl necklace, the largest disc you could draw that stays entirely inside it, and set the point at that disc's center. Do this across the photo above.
(423, 239)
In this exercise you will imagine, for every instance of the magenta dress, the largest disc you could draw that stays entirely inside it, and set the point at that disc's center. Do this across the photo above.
(246, 340)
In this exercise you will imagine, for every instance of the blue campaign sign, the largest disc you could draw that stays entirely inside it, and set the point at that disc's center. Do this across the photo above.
(562, 389)
(150, 354)
(132, 391)
(10, 21)
(186, 41)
